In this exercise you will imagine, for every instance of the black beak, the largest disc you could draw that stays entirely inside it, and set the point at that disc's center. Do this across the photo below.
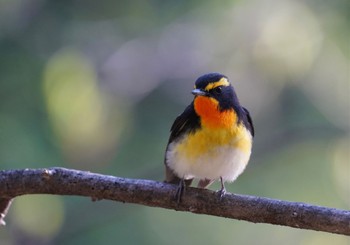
(199, 92)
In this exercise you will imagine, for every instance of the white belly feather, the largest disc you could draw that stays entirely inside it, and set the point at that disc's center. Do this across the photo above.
(223, 161)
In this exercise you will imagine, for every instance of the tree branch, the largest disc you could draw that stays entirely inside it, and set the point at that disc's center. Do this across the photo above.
(60, 181)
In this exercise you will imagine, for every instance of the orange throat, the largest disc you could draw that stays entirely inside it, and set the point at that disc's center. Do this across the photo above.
(211, 116)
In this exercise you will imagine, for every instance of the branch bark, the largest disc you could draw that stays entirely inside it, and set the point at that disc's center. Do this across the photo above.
(60, 181)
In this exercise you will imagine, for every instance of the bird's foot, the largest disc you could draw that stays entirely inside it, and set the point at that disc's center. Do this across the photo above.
(179, 191)
(222, 191)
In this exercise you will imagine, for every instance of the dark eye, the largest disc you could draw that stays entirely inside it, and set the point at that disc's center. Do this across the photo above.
(218, 90)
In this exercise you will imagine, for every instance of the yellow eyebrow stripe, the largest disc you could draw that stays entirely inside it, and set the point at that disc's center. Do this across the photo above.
(222, 82)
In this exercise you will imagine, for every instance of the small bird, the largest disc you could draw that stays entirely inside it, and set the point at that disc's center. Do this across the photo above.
(212, 139)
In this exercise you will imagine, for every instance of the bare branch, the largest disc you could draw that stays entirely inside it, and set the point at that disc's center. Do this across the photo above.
(60, 181)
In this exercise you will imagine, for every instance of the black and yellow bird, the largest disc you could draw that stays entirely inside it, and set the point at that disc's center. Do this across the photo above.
(212, 139)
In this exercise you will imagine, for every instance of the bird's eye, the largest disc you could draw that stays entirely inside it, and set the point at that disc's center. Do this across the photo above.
(218, 90)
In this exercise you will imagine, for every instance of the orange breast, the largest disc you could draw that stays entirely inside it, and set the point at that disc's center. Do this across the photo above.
(208, 109)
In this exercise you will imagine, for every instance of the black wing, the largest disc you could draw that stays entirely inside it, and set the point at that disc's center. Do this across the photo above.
(248, 122)
(186, 122)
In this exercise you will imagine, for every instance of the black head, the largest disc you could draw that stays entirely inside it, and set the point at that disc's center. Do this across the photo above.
(217, 86)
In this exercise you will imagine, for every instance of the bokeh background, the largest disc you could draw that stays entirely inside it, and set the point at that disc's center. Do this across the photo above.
(96, 85)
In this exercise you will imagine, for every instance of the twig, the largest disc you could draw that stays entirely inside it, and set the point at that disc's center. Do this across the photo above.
(60, 181)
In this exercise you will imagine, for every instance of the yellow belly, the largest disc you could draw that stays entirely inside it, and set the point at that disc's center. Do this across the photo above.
(206, 141)
(211, 154)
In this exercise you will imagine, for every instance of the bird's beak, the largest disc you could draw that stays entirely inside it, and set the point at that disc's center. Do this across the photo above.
(199, 92)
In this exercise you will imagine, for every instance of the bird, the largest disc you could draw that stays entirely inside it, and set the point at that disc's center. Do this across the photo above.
(212, 138)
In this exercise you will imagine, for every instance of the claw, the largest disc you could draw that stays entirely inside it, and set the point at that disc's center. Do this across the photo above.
(222, 191)
(179, 191)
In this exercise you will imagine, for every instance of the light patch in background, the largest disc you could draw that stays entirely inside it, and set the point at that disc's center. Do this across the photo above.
(84, 125)
(39, 216)
(16, 14)
(289, 40)
(328, 85)
(341, 168)
(133, 70)
(321, 238)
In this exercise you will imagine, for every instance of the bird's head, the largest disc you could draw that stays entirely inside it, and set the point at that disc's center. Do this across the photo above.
(215, 99)
(217, 89)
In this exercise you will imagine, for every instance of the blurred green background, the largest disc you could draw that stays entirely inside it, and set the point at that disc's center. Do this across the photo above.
(96, 85)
